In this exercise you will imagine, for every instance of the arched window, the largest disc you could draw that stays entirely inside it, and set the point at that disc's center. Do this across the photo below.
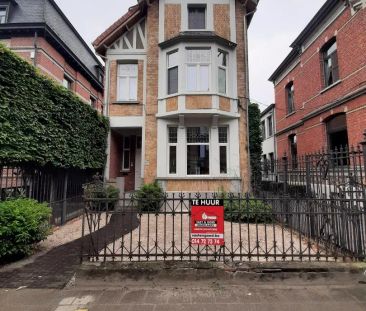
(337, 131)
(290, 94)
(330, 62)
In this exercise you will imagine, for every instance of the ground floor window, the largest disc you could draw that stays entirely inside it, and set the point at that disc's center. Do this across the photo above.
(223, 145)
(173, 140)
(126, 153)
(198, 151)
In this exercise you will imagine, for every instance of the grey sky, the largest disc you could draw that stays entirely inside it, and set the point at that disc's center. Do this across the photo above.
(275, 25)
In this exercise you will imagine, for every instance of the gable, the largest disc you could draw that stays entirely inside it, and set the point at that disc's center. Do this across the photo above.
(133, 39)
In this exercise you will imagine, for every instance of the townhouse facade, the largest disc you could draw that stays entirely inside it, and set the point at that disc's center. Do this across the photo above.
(40, 32)
(177, 95)
(268, 126)
(320, 88)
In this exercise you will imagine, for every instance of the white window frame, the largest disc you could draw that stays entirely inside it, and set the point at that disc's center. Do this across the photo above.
(226, 144)
(198, 65)
(128, 149)
(357, 5)
(199, 144)
(129, 98)
(69, 80)
(170, 144)
(172, 67)
(6, 7)
(226, 72)
(270, 128)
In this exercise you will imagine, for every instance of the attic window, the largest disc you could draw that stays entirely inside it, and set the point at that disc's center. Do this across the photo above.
(3, 14)
(357, 5)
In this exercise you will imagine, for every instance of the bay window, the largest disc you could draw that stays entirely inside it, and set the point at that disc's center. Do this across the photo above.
(173, 61)
(223, 144)
(222, 71)
(127, 82)
(173, 140)
(3, 14)
(198, 151)
(198, 70)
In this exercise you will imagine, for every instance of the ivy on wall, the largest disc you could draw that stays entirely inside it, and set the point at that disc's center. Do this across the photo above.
(43, 123)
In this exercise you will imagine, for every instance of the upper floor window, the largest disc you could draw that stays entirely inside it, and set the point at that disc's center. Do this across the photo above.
(222, 57)
(357, 5)
(197, 16)
(290, 95)
(67, 82)
(198, 70)
(3, 15)
(270, 126)
(93, 102)
(263, 128)
(173, 61)
(127, 82)
(330, 59)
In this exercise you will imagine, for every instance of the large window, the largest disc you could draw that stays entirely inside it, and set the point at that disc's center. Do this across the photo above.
(173, 140)
(3, 14)
(173, 61)
(198, 70)
(198, 151)
(223, 145)
(222, 74)
(290, 95)
(127, 82)
(197, 16)
(330, 59)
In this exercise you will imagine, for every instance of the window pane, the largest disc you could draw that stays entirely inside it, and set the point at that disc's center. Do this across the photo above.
(198, 135)
(198, 160)
(172, 160)
(191, 78)
(198, 56)
(133, 89)
(173, 135)
(204, 78)
(197, 18)
(123, 70)
(222, 135)
(222, 80)
(2, 15)
(223, 160)
(123, 92)
(133, 70)
(173, 59)
(173, 80)
(126, 159)
(222, 59)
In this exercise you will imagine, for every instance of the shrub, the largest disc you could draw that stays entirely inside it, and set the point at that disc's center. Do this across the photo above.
(149, 197)
(101, 196)
(247, 211)
(23, 223)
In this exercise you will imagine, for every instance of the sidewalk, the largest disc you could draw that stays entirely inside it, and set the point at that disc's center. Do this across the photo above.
(197, 297)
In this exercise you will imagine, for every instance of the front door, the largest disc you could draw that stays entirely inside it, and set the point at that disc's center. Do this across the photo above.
(138, 179)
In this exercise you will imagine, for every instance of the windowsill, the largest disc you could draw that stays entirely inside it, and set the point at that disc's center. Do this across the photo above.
(126, 103)
(201, 177)
(197, 94)
(330, 86)
(290, 114)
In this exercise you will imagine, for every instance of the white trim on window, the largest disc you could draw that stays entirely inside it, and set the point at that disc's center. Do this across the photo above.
(198, 69)
(4, 9)
(127, 82)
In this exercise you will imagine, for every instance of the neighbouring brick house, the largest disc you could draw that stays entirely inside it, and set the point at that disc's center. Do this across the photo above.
(176, 95)
(38, 31)
(320, 88)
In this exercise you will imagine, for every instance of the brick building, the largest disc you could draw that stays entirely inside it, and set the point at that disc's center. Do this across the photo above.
(320, 88)
(38, 31)
(176, 94)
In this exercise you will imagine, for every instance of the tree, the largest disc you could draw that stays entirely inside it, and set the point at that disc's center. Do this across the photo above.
(255, 143)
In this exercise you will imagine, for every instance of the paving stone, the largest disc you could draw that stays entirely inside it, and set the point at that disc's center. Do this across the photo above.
(136, 296)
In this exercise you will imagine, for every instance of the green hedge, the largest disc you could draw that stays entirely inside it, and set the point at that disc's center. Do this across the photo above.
(42, 122)
(23, 223)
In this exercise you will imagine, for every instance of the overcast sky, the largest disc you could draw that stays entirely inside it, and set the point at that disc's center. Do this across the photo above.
(274, 27)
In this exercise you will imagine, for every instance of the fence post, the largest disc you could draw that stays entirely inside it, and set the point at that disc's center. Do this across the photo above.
(363, 144)
(285, 188)
(308, 177)
(64, 199)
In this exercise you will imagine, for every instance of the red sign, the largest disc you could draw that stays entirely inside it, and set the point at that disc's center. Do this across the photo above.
(207, 222)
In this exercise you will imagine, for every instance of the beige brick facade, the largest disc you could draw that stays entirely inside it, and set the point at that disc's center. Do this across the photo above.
(222, 20)
(172, 20)
(172, 104)
(204, 185)
(152, 22)
(225, 104)
(198, 102)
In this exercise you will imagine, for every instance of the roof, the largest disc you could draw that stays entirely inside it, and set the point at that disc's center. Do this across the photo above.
(268, 109)
(47, 16)
(134, 13)
(319, 17)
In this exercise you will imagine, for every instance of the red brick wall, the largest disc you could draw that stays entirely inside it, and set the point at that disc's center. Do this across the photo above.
(308, 81)
(54, 65)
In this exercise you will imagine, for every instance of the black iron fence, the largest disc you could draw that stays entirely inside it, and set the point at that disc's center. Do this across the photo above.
(339, 173)
(62, 189)
(256, 229)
